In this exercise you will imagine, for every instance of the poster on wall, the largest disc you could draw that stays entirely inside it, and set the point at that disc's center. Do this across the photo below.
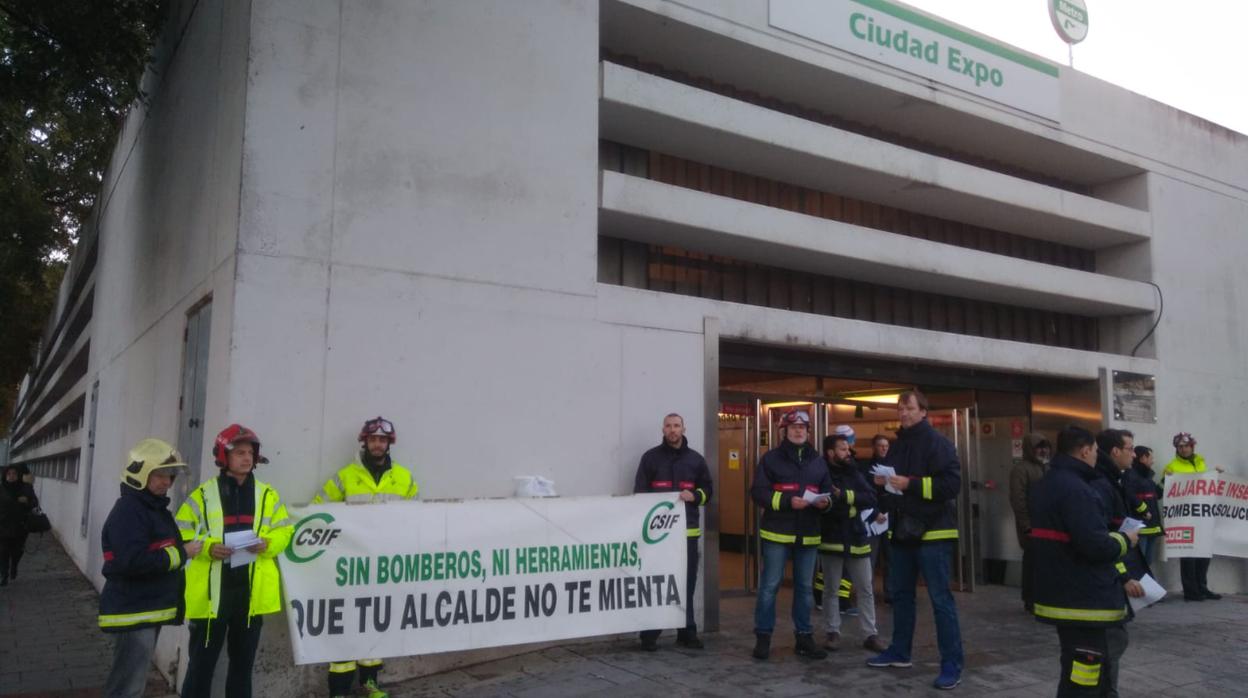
(1135, 397)
(1205, 514)
(409, 578)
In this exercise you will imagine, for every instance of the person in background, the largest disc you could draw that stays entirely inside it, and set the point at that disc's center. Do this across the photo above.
(879, 543)
(1193, 571)
(1146, 490)
(1027, 472)
(17, 500)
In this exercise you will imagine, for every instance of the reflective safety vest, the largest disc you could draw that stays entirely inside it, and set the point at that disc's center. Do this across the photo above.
(1181, 466)
(200, 518)
(355, 485)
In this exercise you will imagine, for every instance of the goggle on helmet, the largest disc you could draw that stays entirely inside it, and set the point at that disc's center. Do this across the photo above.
(379, 426)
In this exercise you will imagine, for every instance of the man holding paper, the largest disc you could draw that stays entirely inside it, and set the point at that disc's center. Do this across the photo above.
(790, 484)
(234, 580)
(921, 500)
(1115, 450)
(845, 546)
(1078, 588)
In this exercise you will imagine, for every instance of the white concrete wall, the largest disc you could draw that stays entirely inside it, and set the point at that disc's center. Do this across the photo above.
(417, 239)
(167, 226)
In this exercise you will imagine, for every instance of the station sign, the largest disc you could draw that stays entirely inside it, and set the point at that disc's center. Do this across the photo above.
(947, 55)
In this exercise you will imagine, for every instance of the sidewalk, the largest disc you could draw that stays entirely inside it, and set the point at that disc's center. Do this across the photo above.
(50, 644)
(1177, 649)
(50, 647)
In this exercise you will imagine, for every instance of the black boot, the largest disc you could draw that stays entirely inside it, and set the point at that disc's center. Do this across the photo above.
(762, 645)
(806, 647)
(688, 637)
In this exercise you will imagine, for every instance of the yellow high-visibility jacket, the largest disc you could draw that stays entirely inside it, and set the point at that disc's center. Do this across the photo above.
(200, 517)
(1180, 466)
(355, 485)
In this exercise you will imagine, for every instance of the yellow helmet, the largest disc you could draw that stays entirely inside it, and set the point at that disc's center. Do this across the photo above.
(148, 456)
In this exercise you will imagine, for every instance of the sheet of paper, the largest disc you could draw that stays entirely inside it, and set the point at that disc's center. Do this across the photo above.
(1129, 524)
(812, 497)
(1153, 592)
(886, 471)
(239, 540)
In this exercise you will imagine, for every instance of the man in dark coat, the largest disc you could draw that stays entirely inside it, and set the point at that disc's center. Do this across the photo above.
(674, 467)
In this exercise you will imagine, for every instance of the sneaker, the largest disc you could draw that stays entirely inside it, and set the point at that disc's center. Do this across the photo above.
(950, 677)
(874, 644)
(850, 611)
(371, 690)
(831, 641)
(889, 658)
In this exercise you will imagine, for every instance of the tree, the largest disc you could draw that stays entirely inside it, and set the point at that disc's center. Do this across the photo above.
(69, 70)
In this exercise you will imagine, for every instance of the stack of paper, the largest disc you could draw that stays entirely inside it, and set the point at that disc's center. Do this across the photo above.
(813, 498)
(874, 528)
(886, 471)
(239, 541)
(1153, 592)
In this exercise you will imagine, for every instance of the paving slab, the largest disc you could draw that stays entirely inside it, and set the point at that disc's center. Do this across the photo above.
(50, 647)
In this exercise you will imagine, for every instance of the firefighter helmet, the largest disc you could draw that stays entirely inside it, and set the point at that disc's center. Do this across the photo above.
(231, 435)
(148, 456)
(378, 426)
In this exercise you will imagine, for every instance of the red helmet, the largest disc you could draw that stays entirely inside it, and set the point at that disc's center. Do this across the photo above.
(379, 425)
(233, 434)
(1183, 438)
(795, 417)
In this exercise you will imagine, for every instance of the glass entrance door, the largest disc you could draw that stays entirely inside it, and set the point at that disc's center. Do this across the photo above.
(961, 427)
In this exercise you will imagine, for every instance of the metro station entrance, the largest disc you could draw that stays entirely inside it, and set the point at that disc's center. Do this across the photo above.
(985, 416)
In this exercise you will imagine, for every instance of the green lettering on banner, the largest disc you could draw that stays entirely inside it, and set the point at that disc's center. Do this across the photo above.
(920, 20)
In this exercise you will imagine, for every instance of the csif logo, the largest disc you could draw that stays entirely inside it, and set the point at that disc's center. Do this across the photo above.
(660, 519)
(313, 535)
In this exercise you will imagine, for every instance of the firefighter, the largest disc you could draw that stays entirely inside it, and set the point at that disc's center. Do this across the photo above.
(790, 528)
(1077, 557)
(674, 467)
(375, 479)
(1193, 571)
(1142, 488)
(143, 559)
(845, 546)
(226, 602)
(923, 530)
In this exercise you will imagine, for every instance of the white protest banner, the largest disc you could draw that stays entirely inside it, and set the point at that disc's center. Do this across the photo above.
(408, 578)
(1205, 514)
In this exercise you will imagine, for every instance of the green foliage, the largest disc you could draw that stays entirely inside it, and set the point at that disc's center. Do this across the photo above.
(69, 70)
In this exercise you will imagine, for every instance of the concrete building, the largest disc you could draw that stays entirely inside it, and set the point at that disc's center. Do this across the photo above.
(526, 231)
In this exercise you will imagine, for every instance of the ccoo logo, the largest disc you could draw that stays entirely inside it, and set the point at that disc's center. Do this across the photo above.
(660, 519)
(313, 535)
